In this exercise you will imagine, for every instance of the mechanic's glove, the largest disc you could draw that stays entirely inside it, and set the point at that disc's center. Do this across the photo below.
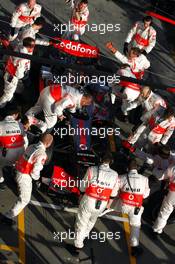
(125, 48)
(144, 52)
(110, 46)
(12, 31)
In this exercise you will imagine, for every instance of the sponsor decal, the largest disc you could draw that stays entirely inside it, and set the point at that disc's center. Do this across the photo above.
(77, 49)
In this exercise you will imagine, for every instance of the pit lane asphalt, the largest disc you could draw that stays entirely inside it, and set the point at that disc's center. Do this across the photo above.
(40, 223)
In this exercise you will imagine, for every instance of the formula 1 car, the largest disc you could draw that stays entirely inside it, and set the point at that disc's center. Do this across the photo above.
(85, 137)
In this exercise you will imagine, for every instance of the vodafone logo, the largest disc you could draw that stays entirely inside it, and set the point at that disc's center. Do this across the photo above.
(100, 190)
(131, 197)
(83, 147)
(77, 49)
(63, 174)
(13, 139)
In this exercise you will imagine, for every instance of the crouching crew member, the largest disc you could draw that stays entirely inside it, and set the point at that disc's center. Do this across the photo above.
(24, 14)
(31, 31)
(53, 100)
(154, 106)
(134, 65)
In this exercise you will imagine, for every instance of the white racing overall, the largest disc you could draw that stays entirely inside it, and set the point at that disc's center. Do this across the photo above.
(142, 38)
(52, 101)
(129, 200)
(168, 204)
(28, 167)
(23, 16)
(98, 185)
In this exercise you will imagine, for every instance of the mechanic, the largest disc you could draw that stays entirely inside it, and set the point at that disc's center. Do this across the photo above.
(135, 60)
(162, 130)
(16, 69)
(133, 189)
(31, 31)
(13, 141)
(78, 22)
(28, 168)
(99, 185)
(142, 35)
(53, 100)
(154, 107)
(25, 14)
(168, 204)
(157, 129)
(133, 66)
(159, 161)
(130, 93)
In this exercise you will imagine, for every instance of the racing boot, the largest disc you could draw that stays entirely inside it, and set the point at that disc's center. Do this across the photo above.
(136, 251)
(156, 235)
(74, 251)
(7, 221)
(2, 184)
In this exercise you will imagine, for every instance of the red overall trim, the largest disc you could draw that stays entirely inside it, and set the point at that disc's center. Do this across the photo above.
(99, 193)
(131, 198)
(140, 40)
(12, 141)
(26, 19)
(41, 84)
(172, 186)
(24, 166)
